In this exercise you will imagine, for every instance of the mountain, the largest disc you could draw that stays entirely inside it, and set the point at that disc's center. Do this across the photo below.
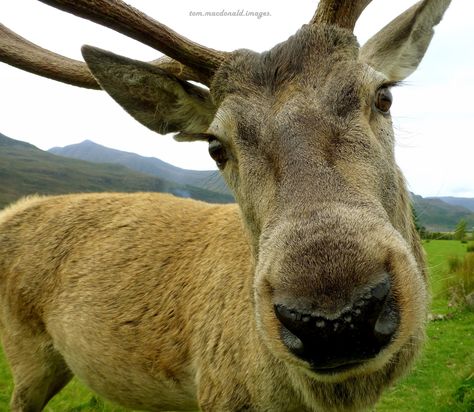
(465, 202)
(93, 152)
(436, 215)
(25, 169)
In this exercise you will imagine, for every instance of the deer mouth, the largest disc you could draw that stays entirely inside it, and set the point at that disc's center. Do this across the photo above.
(335, 369)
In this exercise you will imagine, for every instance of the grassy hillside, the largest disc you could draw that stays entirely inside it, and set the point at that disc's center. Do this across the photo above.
(24, 169)
(466, 202)
(438, 216)
(442, 381)
(93, 152)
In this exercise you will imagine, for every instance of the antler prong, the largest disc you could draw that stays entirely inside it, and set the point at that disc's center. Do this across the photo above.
(25, 55)
(342, 13)
(127, 20)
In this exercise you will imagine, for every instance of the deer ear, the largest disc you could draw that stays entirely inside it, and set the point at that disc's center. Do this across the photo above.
(155, 98)
(398, 48)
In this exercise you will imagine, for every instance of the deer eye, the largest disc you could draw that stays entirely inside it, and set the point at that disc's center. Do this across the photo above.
(217, 152)
(383, 99)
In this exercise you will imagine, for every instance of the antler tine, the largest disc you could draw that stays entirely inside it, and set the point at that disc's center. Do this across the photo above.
(25, 55)
(179, 70)
(342, 13)
(127, 20)
(19, 52)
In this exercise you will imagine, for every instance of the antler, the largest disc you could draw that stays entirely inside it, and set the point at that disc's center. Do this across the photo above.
(25, 55)
(186, 60)
(127, 20)
(342, 13)
(19, 52)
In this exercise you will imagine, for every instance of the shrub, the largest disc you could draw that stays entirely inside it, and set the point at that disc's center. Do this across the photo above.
(454, 263)
(438, 235)
(470, 247)
(459, 281)
(460, 232)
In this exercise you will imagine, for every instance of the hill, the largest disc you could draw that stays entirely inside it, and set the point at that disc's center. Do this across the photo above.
(25, 169)
(438, 216)
(465, 202)
(93, 152)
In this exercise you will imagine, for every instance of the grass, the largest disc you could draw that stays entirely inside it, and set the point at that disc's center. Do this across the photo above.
(460, 282)
(439, 253)
(442, 380)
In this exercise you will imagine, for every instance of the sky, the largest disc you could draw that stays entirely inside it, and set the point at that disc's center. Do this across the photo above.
(433, 112)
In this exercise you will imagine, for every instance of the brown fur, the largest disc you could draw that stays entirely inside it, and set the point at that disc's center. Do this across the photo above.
(161, 303)
(78, 291)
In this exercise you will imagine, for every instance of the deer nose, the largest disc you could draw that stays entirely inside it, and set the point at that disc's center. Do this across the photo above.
(335, 344)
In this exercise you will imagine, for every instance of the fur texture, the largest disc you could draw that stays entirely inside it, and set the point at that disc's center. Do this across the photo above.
(161, 303)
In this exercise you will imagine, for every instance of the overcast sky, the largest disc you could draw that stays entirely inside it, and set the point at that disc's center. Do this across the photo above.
(433, 112)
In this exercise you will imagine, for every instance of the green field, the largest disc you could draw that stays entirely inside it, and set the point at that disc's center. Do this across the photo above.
(442, 381)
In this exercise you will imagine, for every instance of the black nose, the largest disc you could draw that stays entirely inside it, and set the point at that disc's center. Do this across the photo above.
(359, 333)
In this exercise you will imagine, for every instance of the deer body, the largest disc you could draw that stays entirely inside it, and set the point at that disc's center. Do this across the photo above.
(311, 294)
(147, 316)
(134, 301)
(160, 325)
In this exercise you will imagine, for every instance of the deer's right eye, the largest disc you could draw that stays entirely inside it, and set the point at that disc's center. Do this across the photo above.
(217, 152)
(383, 99)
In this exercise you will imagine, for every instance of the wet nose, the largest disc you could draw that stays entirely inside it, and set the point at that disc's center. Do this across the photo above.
(335, 344)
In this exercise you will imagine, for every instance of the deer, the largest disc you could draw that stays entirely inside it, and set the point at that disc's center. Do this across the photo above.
(308, 294)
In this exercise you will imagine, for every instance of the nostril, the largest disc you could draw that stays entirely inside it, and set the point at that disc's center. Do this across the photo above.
(386, 327)
(380, 291)
(293, 320)
(388, 320)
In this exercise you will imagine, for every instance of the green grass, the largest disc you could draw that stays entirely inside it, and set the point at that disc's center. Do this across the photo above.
(460, 282)
(439, 252)
(445, 369)
(442, 380)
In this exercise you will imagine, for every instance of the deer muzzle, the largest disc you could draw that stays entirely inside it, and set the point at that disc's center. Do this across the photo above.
(334, 344)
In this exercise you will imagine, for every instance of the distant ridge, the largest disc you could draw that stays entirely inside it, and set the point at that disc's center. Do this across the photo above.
(465, 202)
(93, 152)
(438, 216)
(8, 142)
(25, 169)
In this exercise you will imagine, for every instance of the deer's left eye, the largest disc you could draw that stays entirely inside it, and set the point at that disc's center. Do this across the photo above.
(217, 152)
(383, 99)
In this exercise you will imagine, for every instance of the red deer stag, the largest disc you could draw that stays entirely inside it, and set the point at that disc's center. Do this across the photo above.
(310, 294)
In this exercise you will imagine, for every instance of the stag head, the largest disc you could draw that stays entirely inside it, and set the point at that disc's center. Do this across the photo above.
(303, 136)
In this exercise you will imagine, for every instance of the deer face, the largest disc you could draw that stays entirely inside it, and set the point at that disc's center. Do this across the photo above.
(304, 140)
(302, 134)
(301, 124)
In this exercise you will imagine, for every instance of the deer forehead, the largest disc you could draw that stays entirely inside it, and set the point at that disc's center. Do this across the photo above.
(313, 77)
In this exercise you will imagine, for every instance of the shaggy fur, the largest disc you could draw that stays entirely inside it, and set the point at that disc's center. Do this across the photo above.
(160, 303)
